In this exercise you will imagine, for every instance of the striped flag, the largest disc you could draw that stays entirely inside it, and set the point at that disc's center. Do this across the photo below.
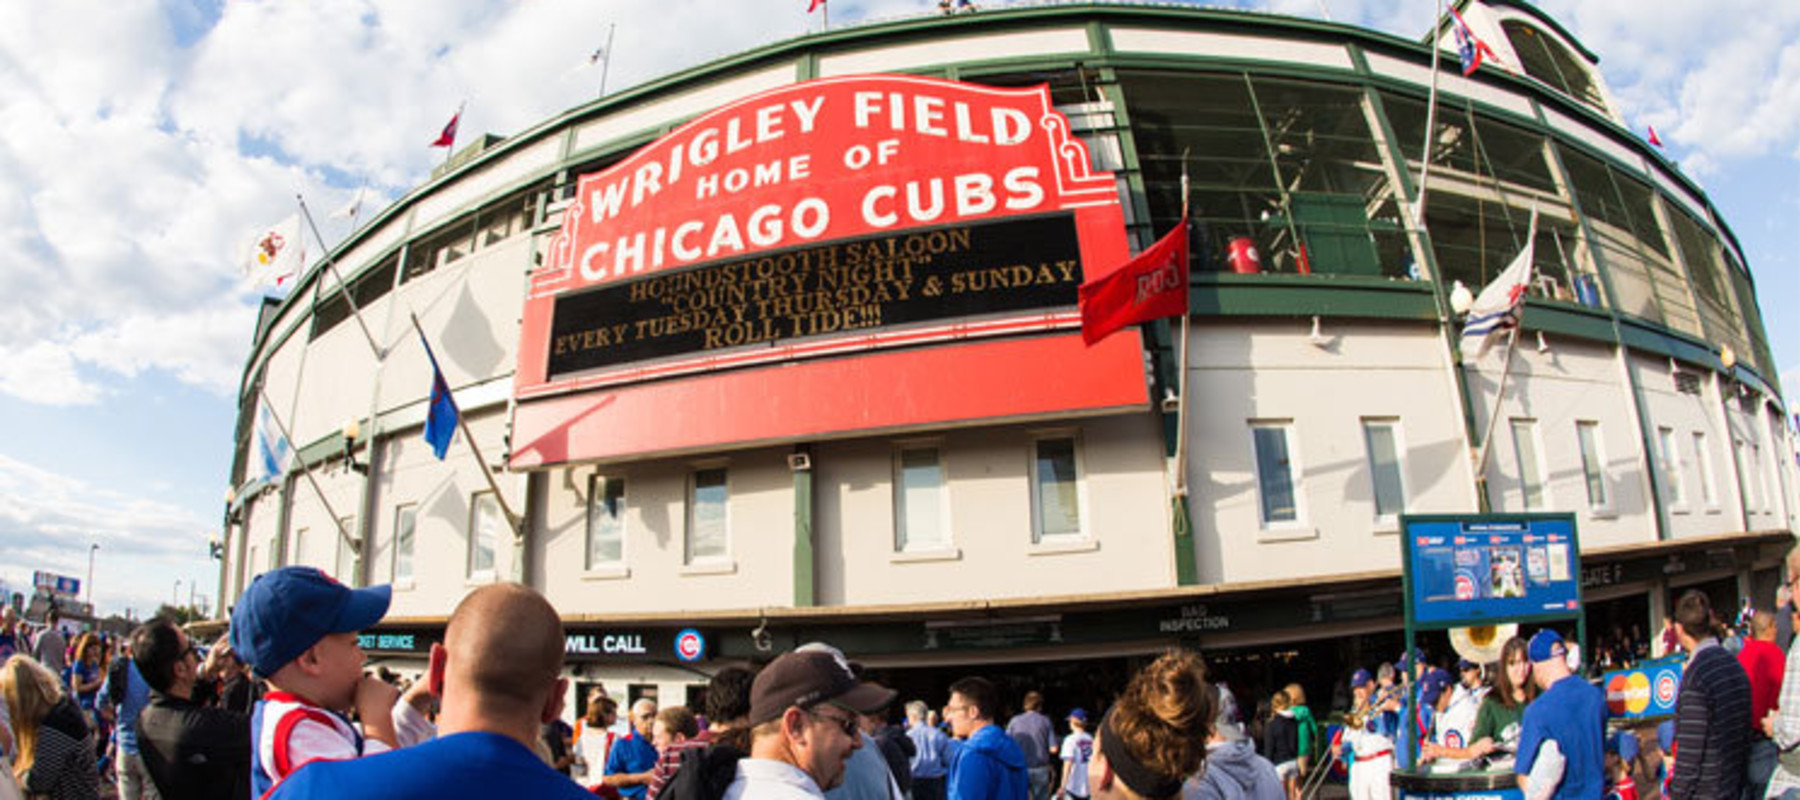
(272, 448)
(1501, 303)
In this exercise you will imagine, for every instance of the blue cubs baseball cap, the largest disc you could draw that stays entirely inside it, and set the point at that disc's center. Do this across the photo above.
(1625, 744)
(1665, 736)
(1433, 685)
(288, 610)
(1079, 715)
(1360, 677)
(1545, 645)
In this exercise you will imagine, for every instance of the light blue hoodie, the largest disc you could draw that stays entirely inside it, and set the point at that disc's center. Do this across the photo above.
(990, 766)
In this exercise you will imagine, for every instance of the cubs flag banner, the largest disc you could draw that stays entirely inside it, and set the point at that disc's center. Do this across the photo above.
(1151, 286)
(1469, 47)
(448, 137)
(442, 415)
(272, 449)
(276, 252)
(1501, 303)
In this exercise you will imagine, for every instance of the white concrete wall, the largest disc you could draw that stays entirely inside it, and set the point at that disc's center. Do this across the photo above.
(1125, 505)
(1574, 381)
(1243, 370)
(655, 576)
(1688, 414)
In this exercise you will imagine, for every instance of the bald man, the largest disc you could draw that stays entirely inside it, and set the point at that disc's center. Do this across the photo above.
(498, 677)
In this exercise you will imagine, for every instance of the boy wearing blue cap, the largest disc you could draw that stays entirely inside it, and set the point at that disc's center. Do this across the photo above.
(296, 627)
(1560, 740)
(1077, 751)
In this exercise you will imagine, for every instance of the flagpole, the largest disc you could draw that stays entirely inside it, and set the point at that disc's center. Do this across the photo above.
(1430, 116)
(606, 59)
(454, 131)
(343, 288)
(462, 423)
(1181, 399)
(355, 546)
(1512, 341)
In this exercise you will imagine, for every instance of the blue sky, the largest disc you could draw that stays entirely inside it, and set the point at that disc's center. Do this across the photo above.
(147, 140)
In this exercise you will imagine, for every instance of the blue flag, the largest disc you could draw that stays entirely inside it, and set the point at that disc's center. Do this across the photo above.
(272, 449)
(440, 420)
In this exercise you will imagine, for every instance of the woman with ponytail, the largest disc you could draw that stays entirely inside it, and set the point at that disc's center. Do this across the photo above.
(1155, 736)
(55, 749)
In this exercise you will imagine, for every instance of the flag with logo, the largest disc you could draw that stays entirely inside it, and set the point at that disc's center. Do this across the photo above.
(271, 449)
(1501, 303)
(813, 5)
(1151, 286)
(448, 137)
(276, 252)
(442, 415)
(1469, 47)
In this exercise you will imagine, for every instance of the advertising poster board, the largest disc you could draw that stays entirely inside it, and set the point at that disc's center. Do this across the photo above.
(1490, 569)
(1647, 690)
(780, 264)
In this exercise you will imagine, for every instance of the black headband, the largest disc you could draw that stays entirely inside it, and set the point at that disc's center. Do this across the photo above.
(1142, 779)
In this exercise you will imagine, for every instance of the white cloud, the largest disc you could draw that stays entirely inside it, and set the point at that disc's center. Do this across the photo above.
(47, 521)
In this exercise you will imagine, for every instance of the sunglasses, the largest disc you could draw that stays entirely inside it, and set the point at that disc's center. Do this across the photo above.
(847, 724)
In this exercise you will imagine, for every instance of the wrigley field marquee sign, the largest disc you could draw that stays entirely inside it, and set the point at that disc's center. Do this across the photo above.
(861, 218)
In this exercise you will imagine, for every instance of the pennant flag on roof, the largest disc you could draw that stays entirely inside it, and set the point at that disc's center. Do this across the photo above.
(276, 252)
(272, 449)
(1653, 138)
(1469, 47)
(1501, 303)
(448, 137)
(814, 5)
(1151, 286)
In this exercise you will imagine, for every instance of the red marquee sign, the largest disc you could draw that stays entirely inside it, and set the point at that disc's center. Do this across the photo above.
(862, 218)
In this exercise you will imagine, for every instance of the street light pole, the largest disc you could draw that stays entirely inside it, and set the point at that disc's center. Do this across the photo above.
(175, 594)
(90, 584)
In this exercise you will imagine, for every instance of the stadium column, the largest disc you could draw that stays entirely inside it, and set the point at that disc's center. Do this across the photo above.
(800, 463)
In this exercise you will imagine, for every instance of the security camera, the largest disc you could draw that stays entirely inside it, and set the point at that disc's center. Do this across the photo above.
(1170, 402)
(799, 462)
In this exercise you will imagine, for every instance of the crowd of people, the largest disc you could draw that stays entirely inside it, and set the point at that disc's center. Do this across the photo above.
(282, 707)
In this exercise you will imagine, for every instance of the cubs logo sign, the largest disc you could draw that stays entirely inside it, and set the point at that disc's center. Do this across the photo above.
(1665, 689)
(690, 646)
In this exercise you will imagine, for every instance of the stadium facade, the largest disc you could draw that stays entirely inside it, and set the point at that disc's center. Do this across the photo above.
(784, 347)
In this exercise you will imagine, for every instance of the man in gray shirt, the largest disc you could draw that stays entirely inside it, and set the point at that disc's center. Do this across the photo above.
(1036, 736)
(50, 646)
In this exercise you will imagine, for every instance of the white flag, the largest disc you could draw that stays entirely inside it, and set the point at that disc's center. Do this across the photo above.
(352, 208)
(276, 252)
(1501, 303)
(271, 449)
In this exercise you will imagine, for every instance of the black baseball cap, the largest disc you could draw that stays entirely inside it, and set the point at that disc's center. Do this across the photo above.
(806, 679)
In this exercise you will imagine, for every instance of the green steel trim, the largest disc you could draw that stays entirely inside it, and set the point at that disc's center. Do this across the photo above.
(1566, 319)
(804, 581)
(1640, 336)
(320, 450)
(1230, 295)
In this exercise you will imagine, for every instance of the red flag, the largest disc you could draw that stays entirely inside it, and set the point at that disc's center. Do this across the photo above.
(1653, 139)
(1151, 286)
(448, 137)
(814, 6)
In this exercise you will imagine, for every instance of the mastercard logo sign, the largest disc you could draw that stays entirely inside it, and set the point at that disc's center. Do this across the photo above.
(1629, 693)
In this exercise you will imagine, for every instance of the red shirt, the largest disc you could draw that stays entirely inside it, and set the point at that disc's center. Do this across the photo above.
(1763, 662)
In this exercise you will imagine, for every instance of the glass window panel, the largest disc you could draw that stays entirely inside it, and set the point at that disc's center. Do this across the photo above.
(1549, 61)
(1058, 504)
(1475, 239)
(1531, 469)
(1384, 467)
(1709, 482)
(606, 521)
(484, 532)
(1474, 146)
(707, 520)
(1671, 466)
(298, 556)
(1275, 473)
(1593, 464)
(406, 521)
(1067, 85)
(919, 501)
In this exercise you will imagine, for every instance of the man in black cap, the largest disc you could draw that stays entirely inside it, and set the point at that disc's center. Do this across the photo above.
(803, 713)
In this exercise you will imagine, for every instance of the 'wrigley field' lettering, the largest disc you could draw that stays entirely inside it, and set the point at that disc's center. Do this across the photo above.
(917, 276)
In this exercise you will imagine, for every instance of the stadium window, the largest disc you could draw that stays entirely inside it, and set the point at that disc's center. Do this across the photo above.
(1473, 147)
(444, 247)
(1474, 239)
(1068, 85)
(1276, 471)
(1593, 466)
(1381, 438)
(484, 533)
(1749, 458)
(1700, 254)
(1056, 490)
(605, 521)
(1549, 61)
(346, 554)
(921, 515)
(406, 522)
(1629, 243)
(297, 556)
(368, 287)
(505, 219)
(1529, 453)
(1669, 464)
(708, 519)
(1709, 482)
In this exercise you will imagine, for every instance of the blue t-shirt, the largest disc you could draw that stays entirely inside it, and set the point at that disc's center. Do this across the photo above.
(629, 756)
(1573, 713)
(81, 672)
(473, 765)
(137, 695)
